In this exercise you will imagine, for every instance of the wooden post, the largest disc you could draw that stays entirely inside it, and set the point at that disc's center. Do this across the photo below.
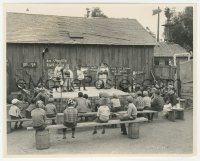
(60, 119)
(171, 115)
(9, 127)
(158, 25)
(133, 130)
(180, 114)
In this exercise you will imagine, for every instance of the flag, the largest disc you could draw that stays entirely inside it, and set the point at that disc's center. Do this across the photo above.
(157, 11)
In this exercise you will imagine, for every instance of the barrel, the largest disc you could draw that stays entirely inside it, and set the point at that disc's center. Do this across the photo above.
(133, 130)
(42, 139)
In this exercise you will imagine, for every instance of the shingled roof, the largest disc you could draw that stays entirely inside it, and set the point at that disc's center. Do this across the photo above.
(34, 28)
(166, 49)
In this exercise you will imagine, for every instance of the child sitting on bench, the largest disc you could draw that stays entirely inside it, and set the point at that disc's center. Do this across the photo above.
(70, 118)
(130, 115)
(15, 113)
(103, 114)
(51, 110)
(39, 117)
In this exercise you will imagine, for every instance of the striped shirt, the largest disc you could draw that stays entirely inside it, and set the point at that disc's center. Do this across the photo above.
(50, 109)
(70, 115)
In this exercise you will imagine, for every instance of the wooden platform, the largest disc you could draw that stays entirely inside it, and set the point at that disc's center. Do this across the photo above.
(91, 91)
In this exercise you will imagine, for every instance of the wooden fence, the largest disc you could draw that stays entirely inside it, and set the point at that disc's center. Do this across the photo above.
(186, 77)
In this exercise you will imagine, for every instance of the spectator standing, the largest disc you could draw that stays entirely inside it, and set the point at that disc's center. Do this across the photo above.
(81, 78)
(68, 78)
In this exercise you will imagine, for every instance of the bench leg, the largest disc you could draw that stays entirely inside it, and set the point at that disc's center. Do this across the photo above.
(171, 116)
(156, 115)
(133, 130)
(42, 139)
(60, 121)
(180, 115)
(9, 127)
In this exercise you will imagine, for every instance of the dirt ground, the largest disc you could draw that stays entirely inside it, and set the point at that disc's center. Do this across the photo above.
(158, 137)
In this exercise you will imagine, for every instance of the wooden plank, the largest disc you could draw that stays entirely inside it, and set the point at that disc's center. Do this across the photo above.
(139, 112)
(81, 114)
(25, 119)
(92, 124)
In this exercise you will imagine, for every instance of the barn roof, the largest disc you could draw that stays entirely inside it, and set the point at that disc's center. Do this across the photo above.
(35, 28)
(166, 49)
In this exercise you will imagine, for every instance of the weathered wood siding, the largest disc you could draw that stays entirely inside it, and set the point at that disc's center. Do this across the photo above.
(164, 71)
(186, 77)
(138, 58)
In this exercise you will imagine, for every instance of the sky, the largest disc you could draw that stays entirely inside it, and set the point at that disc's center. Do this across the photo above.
(141, 12)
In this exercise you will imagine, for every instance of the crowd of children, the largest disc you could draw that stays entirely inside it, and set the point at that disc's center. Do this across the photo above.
(38, 109)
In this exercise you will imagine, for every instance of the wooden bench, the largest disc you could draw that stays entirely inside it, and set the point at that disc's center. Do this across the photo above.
(9, 121)
(59, 119)
(176, 113)
(133, 129)
(138, 112)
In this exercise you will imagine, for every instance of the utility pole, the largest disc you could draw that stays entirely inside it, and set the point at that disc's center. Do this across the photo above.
(155, 12)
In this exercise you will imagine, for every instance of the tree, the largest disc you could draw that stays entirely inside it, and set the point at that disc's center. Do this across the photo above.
(181, 29)
(96, 12)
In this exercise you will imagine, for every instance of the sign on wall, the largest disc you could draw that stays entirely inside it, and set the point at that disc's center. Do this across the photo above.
(120, 70)
(90, 68)
(51, 63)
(29, 65)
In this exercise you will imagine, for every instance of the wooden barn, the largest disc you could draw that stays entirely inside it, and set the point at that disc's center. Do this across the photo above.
(121, 43)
